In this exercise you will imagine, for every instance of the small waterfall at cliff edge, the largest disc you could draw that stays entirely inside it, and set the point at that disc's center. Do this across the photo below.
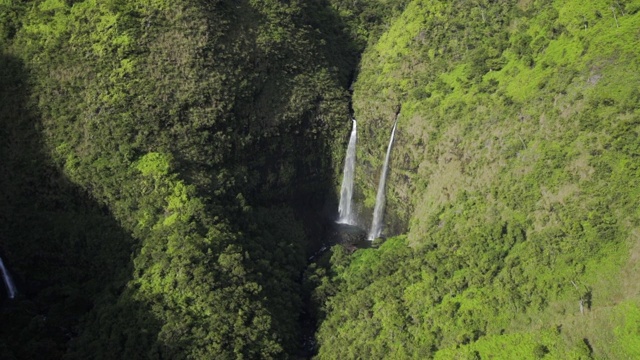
(345, 209)
(378, 211)
(11, 287)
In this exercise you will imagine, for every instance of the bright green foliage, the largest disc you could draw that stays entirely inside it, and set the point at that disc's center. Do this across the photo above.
(154, 164)
(546, 344)
(627, 342)
(514, 175)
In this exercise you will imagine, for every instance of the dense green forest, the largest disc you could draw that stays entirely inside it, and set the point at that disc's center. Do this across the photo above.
(515, 186)
(170, 170)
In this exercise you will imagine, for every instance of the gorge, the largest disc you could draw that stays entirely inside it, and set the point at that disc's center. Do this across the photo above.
(172, 170)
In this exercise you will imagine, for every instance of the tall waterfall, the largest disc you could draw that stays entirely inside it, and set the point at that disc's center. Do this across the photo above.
(345, 209)
(378, 211)
(11, 287)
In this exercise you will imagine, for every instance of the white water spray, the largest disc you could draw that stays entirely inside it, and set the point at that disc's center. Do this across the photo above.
(345, 209)
(378, 211)
(11, 287)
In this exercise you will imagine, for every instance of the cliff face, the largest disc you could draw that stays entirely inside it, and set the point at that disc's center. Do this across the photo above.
(514, 177)
(487, 90)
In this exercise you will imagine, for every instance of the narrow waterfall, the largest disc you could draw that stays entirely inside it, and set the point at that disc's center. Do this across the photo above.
(378, 211)
(345, 209)
(11, 287)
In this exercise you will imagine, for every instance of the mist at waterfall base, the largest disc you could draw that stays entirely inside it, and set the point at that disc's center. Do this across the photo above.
(378, 211)
(345, 208)
(8, 282)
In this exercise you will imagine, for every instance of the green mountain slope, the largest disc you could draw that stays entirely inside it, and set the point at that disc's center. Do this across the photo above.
(168, 167)
(201, 130)
(515, 176)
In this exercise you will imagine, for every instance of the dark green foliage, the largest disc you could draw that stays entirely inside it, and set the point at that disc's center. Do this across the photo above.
(65, 251)
(198, 132)
(539, 351)
(164, 164)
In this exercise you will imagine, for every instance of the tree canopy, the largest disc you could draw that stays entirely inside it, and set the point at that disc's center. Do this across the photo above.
(170, 167)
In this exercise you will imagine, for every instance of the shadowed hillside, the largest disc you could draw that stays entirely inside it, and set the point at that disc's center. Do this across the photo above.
(67, 254)
(206, 132)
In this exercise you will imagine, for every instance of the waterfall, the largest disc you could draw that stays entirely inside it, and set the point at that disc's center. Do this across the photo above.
(378, 211)
(345, 209)
(11, 287)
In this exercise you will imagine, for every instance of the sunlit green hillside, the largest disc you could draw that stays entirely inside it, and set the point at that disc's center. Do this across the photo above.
(515, 178)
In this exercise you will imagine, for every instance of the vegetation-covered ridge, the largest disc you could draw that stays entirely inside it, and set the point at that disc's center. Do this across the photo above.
(515, 178)
(160, 158)
(166, 166)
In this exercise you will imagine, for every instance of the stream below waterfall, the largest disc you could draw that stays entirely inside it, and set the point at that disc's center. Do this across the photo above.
(352, 238)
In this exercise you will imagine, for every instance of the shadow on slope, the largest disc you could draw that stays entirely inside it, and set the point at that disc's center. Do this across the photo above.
(68, 255)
